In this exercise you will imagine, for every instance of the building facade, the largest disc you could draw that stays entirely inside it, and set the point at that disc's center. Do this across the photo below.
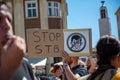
(43, 14)
(118, 21)
(104, 21)
(40, 14)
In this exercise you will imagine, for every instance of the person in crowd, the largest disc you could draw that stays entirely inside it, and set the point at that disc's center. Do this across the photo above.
(71, 66)
(56, 71)
(13, 64)
(91, 65)
(108, 58)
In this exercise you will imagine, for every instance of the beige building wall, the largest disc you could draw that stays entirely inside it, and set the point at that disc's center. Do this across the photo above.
(19, 18)
(43, 14)
(65, 13)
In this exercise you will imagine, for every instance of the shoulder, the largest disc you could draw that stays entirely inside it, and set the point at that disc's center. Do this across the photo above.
(109, 74)
(116, 76)
(24, 71)
(26, 63)
(25, 59)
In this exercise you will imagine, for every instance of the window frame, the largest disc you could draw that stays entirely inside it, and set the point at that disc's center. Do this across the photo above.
(31, 8)
(56, 10)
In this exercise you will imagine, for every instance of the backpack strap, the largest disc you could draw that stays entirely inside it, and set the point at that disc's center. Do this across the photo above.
(113, 72)
(101, 76)
(107, 74)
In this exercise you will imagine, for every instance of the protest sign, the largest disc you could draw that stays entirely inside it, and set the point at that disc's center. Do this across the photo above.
(78, 42)
(51, 42)
(45, 43)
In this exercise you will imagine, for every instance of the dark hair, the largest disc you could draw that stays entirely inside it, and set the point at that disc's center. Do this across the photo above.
(76, 37)
(107, 48)
(54, 68)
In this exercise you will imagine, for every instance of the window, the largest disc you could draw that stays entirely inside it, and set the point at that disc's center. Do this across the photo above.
(54, 9)
(103, 14)
(31, 9)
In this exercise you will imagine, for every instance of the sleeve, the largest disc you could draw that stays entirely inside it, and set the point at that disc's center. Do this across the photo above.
(82, 72)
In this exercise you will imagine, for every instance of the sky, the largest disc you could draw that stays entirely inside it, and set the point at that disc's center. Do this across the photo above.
(84, 14)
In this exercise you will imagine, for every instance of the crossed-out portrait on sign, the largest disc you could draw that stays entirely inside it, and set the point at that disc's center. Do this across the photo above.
(76, 42)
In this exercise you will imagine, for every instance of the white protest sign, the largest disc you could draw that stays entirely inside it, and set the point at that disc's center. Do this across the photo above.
(78, 42)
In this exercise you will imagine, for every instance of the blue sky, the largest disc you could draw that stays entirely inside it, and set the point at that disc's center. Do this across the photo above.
(85, 14)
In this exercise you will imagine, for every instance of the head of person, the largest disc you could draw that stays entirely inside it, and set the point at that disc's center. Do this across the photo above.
(5, 23)
(108, 51)
(56, 70)
(73, 59)
(76, 41)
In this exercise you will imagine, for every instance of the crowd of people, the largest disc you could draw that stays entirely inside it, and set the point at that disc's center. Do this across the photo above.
(108, 58)
(15, 66)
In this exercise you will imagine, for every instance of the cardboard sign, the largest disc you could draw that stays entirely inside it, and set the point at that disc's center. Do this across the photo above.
(45, 43)
(51, 42)
(78, 42)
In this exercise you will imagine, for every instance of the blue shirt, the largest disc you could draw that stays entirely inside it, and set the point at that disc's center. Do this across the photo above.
(79, 70)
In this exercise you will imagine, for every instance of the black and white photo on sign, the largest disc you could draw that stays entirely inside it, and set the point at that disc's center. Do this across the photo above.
(76, 41)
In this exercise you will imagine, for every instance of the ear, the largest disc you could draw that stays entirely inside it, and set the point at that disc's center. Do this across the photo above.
(118, 60)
